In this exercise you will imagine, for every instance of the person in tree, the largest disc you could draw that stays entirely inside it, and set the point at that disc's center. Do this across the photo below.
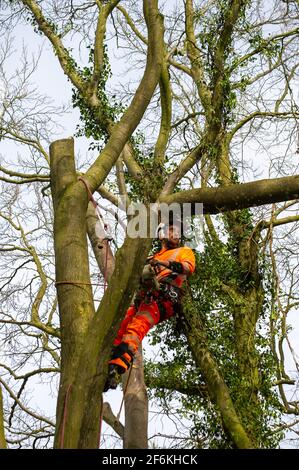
(158, 299)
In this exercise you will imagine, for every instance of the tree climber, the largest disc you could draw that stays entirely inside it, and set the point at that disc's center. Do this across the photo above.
(158, 299)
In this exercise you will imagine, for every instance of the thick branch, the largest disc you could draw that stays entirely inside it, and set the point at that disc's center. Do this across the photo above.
(123, 130)
(195, 58)
(101, 248)
(99, 47)
(221, 52)
(133, 167)
(166, 110)
(25, 176)
(31, 373)
(132, 24)
(112, 420)
(276, 222)
(40, 326)
(183, 168)
(217, 388)
(239, 196)
(106, 194)
(136, 407)
(22, 181)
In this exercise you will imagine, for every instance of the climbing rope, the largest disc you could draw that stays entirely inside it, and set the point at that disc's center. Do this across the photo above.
(95, 204)
(125, 390)
(107, 239)
(106, 226)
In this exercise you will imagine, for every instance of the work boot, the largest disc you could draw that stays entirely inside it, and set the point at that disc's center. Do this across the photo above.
(121, 357)
(112, 378)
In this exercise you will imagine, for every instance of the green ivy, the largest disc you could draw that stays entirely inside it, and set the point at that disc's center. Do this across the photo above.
(94, 121)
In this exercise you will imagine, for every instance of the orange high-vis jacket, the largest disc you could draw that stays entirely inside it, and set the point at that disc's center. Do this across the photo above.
(183, 255)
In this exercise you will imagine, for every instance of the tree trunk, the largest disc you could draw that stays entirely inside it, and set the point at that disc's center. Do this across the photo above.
(102, 331)
(247, 357)
(86, 338)
(134, 433)
(218, 391)
(248, 297)
(247, 311)
(74, 292)
(136, 407)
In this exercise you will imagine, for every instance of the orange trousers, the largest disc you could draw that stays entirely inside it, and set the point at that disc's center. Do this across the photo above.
(138, 322)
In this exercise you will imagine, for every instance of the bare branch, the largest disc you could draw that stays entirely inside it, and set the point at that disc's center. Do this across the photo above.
(24, 408)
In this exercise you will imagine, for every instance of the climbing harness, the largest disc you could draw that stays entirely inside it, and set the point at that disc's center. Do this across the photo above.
(169, 291)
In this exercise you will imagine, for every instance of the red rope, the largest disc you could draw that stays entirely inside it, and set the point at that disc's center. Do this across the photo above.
(64, 416)
(106, 265)
(92, 199)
